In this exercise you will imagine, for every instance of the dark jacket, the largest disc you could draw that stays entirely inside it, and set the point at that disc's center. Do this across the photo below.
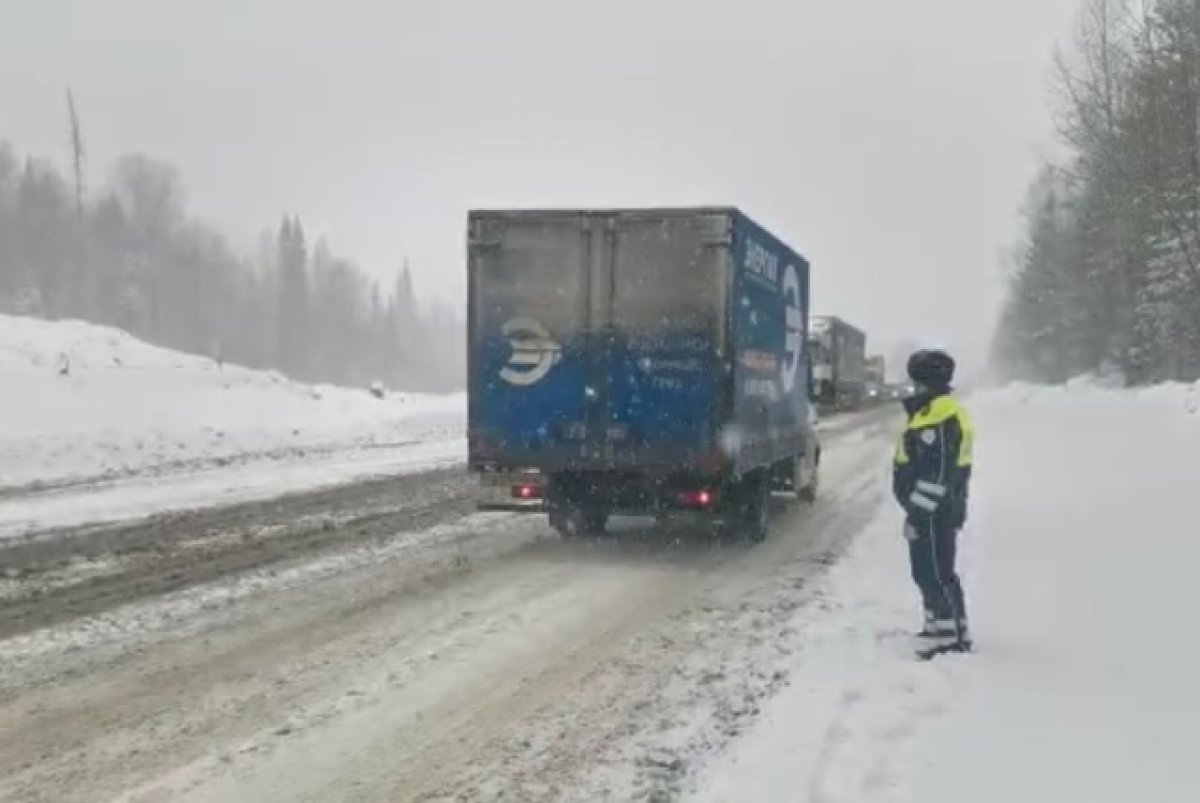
(931, 472)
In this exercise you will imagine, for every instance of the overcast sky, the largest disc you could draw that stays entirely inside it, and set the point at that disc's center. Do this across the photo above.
(890, 141)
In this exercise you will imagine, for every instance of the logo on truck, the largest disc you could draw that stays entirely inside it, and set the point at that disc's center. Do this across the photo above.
(793, 342)
(534, 352)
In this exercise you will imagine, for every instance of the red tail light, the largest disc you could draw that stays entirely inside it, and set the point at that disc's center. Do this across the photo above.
(527, 491)
(700, 498)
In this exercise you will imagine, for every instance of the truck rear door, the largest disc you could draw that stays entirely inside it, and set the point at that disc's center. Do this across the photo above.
(531, 316)
(668, 274)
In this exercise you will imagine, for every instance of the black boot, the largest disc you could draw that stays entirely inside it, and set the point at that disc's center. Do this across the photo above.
(944, 640)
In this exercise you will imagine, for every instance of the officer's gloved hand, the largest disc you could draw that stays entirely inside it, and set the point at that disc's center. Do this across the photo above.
(960, 518)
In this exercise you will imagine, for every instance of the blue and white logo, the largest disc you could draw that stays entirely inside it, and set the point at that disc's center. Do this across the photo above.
(793, 345)
(534, 353)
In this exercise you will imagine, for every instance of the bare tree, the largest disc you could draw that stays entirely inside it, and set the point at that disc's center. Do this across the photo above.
(176, 282)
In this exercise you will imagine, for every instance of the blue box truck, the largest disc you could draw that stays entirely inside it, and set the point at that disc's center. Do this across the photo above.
(640, 361)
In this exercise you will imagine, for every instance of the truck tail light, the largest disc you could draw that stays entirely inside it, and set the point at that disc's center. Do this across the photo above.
(700, 498)
(527, 491)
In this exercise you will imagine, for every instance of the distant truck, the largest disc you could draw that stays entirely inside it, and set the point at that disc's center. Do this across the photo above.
(839, 363)
(645, 361)
(876, 373)
(876, 370)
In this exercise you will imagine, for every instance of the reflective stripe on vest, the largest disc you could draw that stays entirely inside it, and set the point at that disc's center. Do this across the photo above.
(938, 412)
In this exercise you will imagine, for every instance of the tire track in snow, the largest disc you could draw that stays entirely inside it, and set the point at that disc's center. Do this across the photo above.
(49, 580)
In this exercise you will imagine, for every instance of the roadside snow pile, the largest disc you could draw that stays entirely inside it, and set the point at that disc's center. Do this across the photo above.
(1080, 562)
(83, 402)
(842, 731)
(1169, 398)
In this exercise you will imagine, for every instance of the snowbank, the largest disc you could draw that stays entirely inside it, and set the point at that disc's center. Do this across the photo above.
(1080, 564)
(84, 402)
(1171, 397)
(844, 729)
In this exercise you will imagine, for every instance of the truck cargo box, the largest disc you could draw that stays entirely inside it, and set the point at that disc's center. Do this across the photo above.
(839, 360)
(637, 340)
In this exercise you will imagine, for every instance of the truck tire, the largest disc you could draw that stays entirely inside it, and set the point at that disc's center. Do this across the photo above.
(559, 521)
(808, 493)
(754, 519)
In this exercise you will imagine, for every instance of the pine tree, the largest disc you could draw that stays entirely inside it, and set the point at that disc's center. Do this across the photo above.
(293, 346)
(10, 276)
(43, 255)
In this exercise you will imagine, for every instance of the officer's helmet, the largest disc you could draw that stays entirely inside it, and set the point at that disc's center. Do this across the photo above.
(931, 369)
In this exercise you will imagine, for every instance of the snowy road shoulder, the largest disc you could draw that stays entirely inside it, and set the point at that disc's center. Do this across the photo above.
(250, 481)
(849, 722)
(104, 427)
(1079, 566)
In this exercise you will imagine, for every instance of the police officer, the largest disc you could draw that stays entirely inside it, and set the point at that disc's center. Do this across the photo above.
(931, 475)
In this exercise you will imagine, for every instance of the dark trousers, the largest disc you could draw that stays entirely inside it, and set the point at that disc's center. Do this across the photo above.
(932, 558)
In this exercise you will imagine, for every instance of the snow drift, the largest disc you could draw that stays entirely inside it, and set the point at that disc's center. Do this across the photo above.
(84, 403)
(1079, 561)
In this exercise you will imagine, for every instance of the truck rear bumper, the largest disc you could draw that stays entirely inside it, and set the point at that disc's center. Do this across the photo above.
(620, 493)
(515, 506)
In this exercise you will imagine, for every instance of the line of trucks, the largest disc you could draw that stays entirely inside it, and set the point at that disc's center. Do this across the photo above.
(651, 362)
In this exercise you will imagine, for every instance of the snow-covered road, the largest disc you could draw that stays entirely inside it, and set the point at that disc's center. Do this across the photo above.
(478, 659)
(1080, 563)
(368, 637)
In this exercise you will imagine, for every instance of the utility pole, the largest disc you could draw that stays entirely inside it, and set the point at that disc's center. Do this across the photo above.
(83, 291)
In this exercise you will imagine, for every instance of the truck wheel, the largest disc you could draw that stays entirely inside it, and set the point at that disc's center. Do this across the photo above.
(808, 493)
(560, 522)
(755, 518)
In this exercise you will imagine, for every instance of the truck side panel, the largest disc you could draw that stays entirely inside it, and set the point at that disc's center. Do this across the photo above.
(769, 309)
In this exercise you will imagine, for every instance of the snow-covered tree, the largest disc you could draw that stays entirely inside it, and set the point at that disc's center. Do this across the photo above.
(1115, 281)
